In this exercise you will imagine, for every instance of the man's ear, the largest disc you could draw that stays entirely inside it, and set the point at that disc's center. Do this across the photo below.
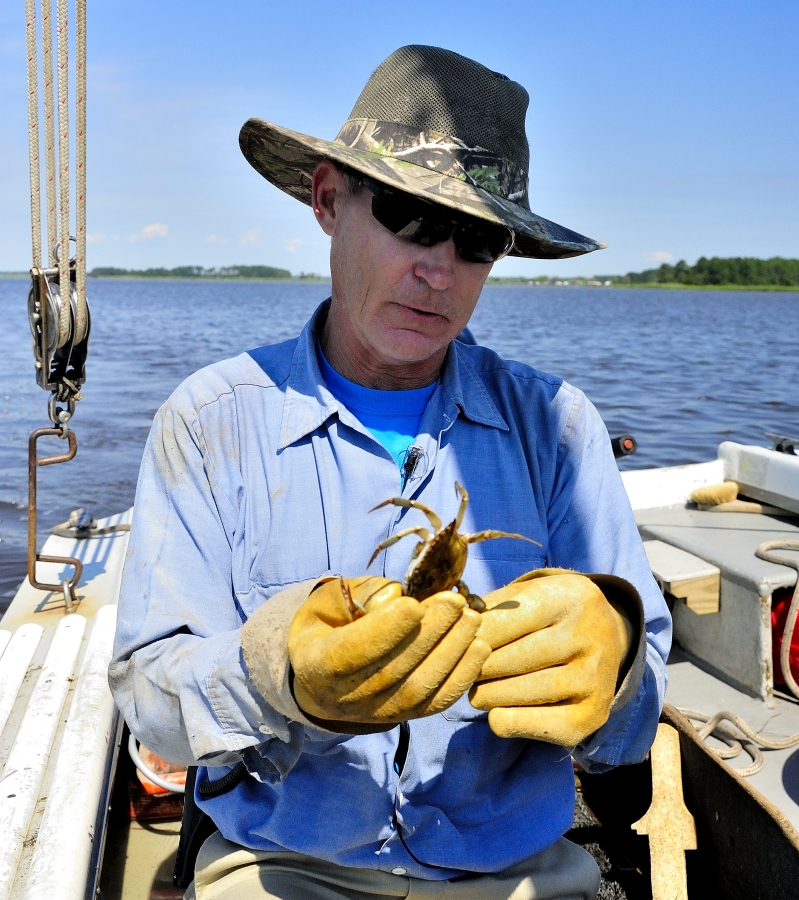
(329, 191)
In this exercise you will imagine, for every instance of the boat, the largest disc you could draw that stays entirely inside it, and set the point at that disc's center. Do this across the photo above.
(76, 818)
(730, 574)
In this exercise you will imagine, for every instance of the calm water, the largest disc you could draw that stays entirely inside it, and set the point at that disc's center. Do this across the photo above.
(680, 370)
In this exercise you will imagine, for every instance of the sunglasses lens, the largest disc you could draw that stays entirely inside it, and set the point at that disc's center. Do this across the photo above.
(403, 214)
(426, 232)
(427, 224)
(482, 242)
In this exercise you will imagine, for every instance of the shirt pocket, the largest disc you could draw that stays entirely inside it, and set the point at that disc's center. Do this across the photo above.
(283, 546)
(247, 602)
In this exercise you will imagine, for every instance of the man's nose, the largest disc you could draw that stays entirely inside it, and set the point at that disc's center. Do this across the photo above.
(436, 265)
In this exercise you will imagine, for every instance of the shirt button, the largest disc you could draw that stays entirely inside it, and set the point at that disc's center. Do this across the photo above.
(264, 729)
(398, 870)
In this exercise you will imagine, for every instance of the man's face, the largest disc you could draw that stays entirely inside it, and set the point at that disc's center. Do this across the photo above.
(396, 305)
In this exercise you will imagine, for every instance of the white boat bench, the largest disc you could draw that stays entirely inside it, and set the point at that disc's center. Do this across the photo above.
(59, 729)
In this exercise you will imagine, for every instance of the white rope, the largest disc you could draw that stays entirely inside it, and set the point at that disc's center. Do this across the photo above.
(33, 131)
(55, 251)
(82, 318)
(63, 172)
(765, 551)
(49, 128)
(712, 726)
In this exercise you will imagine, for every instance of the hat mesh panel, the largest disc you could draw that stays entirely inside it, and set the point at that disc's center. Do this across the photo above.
(433, 89)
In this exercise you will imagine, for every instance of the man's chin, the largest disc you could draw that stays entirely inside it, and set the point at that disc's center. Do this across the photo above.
(405, 347)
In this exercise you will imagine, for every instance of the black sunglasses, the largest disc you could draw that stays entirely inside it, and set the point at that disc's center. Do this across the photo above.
(427, 224)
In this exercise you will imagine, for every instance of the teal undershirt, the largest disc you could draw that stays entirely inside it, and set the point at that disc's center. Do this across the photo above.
(393, 417)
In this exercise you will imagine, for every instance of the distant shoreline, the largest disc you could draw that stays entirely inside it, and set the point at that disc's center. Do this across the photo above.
(781, 288)
(131, 277)
(514, 281)
(314, 280)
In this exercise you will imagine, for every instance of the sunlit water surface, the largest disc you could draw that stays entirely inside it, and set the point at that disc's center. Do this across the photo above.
(680, 370)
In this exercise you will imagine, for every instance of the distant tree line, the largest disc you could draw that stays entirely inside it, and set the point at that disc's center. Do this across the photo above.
(194, 272)
(743, 270)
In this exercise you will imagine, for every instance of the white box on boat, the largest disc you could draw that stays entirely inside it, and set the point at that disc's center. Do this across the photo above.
(762, 474)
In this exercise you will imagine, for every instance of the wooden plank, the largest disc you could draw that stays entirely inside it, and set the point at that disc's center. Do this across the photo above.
(686, 577)
(702, 595)
(669, 825)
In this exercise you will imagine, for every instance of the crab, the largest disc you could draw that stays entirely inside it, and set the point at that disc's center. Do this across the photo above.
(439, 559)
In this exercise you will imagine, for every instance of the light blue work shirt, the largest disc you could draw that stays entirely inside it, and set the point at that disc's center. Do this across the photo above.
(256, 478)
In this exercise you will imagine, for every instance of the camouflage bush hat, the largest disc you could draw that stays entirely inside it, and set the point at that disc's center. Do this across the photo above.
(437, 125)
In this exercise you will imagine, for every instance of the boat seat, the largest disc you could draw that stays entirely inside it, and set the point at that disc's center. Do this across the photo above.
(735, 642)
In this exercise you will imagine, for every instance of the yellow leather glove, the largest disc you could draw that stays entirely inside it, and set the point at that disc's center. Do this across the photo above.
(362, 653)
(558, 647)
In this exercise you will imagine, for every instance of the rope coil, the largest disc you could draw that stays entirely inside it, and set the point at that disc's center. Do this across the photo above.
(746, 739)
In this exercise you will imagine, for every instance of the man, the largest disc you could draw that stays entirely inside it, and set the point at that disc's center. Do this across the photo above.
(381, 744)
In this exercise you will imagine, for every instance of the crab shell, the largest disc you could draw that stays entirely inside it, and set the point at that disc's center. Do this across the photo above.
(437, 566)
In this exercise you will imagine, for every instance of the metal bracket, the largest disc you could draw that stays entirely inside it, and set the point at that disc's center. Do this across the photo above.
(34, 461)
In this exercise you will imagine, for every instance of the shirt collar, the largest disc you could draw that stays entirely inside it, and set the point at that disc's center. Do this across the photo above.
(463, 387)
(309, 403)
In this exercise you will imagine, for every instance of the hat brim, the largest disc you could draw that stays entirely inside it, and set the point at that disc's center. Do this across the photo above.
(288, 159)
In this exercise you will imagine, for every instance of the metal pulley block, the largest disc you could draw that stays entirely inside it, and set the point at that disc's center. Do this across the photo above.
(60, 345)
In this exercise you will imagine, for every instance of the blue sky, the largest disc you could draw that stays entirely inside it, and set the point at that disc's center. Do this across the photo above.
(668, 130)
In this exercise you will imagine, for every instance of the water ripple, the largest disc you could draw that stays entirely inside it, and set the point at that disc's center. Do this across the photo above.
(680, 370)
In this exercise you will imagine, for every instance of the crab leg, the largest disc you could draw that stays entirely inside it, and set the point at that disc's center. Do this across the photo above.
(423, 533)
(460, 491)
(412, 504)
(489, 534)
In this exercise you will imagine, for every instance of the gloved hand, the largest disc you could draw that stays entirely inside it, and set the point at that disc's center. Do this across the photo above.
(558, 648)
(363, 653)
